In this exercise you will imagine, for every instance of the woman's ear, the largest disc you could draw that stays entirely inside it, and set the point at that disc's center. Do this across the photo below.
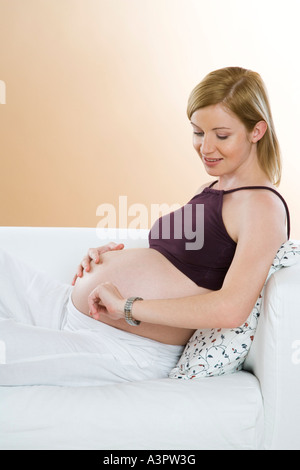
(259, 131)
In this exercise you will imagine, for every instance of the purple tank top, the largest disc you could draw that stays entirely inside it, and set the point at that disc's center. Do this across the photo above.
(194, 238)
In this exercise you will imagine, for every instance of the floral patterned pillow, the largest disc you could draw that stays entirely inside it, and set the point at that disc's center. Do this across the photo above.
(222, 351)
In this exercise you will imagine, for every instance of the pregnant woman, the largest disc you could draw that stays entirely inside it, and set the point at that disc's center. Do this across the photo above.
(129, 313)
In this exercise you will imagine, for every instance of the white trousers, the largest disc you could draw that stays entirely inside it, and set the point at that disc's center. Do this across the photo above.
(45, 340)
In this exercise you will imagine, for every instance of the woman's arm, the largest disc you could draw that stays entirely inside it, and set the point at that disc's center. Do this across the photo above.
(261, 231)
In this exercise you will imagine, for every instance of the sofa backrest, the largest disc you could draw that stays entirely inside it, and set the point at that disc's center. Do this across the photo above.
(58, 250)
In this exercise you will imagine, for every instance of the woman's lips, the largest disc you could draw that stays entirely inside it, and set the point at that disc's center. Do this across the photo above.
(212, 161)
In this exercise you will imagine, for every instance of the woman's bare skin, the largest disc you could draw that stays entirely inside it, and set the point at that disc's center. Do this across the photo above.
(143, 272)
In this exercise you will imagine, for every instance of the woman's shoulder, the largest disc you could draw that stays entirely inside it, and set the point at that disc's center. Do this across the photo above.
(264, 211)
(255, 211)
(262, 198)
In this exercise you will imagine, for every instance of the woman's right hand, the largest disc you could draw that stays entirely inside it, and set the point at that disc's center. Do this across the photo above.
(94, 254)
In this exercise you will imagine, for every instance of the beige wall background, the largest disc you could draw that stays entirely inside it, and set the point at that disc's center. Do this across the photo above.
(96, 94)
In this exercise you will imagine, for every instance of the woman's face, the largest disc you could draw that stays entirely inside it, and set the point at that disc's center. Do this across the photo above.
(221, 140)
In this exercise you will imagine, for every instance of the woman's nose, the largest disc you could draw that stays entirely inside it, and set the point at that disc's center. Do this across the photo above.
(207, 146)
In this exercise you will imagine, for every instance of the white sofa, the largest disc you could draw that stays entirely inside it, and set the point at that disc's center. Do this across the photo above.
(256, 408)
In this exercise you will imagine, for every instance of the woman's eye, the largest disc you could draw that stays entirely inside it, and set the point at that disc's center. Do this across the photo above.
(222, 137)
(201, 134)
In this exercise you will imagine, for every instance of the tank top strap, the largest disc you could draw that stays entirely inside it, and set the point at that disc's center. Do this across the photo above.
(270, 189)
(212, 184)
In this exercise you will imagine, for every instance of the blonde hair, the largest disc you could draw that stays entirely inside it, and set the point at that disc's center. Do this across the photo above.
(242, 92)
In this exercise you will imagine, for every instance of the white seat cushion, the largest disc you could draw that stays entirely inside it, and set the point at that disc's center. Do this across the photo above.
(223, 412)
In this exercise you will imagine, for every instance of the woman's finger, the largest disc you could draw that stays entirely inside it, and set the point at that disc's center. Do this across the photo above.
(85, 263)
(110, 247)
(93, 302)
(93, 254)
(115, 246)
(79, 273)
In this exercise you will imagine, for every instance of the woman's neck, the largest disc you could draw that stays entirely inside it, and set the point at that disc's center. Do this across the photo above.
(253, 176)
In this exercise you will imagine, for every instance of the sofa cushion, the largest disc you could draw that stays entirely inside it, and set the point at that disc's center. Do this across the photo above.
(218, 413)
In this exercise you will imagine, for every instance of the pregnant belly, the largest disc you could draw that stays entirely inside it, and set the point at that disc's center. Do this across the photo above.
(139, 272)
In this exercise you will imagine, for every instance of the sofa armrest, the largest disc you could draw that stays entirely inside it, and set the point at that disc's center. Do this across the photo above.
(273, 358)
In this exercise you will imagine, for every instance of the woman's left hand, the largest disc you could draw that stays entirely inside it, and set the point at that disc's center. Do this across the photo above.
(105, 299)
